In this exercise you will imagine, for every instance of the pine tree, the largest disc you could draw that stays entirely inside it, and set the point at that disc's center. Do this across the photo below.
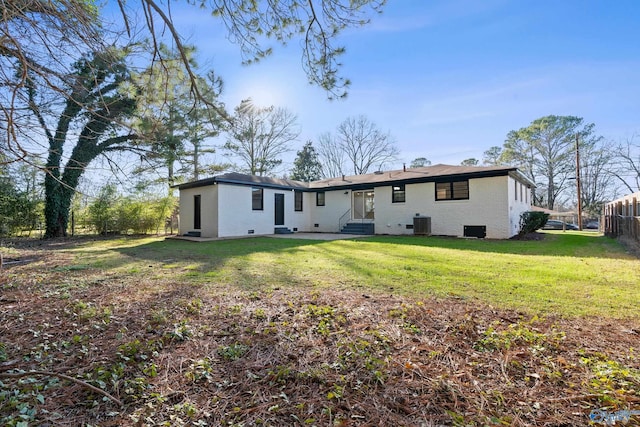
(306, 166)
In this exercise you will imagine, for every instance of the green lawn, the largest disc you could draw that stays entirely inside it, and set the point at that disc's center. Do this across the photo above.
(572, 273)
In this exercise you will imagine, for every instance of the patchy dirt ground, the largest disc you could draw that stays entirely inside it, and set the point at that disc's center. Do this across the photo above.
(90, 347)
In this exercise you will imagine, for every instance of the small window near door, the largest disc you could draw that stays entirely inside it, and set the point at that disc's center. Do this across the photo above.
(320, 198)
(197, 206)
(257, 197)
(398, 194)
(297, 195)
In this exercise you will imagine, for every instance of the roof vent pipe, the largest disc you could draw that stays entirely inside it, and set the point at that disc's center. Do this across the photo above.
(343, 177)
(404, 167)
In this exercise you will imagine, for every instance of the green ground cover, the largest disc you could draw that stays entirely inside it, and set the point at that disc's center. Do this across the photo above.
(570, 273)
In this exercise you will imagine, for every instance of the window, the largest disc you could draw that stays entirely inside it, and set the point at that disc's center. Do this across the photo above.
(320, 198)
(197, 203)
(297, 202)
(454, 190)
(515, 188)
(257, 199)
(397, 194)
(521, 198)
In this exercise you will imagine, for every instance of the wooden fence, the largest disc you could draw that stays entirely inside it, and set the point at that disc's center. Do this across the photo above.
(622, 217)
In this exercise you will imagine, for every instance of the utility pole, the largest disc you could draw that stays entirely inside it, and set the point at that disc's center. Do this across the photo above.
(578, 183)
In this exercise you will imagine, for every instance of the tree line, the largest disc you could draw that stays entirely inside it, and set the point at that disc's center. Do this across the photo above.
(72, 97)
(71, 93)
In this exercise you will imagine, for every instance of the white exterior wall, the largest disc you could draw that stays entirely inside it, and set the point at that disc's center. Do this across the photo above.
(226, 209)
(237, 218)
(208, 210)
(519, 202)
(327, 217)
(488, 205)
(392, 218)
(302, 219)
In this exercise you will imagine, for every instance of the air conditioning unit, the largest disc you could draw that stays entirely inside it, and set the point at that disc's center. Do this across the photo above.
(422, 225)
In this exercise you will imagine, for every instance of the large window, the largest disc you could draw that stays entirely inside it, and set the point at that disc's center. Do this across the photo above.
(257, 198)
(297, 201)
(398, 194)
(453, 190)
(320, 198)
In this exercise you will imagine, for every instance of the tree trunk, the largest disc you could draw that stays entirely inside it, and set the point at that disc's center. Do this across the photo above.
(55, 219)
(59, 190)
(57, 204)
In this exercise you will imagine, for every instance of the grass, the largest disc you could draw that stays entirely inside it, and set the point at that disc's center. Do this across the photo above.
(571, 274)
(383, 330)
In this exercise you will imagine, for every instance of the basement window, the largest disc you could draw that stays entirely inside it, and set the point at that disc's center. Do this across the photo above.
(452, 190)
(257, 199)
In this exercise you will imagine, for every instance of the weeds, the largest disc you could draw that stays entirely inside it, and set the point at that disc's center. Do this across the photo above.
(616, 383)
(89, 311)
(232, 352)
(200, 370)
(519, 334)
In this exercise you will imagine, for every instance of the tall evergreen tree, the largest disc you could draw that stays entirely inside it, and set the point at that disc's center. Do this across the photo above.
(307, 166)
(545, 152)
(492, 156)
(173, 121)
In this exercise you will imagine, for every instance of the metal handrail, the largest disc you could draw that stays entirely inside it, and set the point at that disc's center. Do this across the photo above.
(342, 221)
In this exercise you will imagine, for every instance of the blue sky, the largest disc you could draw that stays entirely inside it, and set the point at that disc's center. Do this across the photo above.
(449, 79)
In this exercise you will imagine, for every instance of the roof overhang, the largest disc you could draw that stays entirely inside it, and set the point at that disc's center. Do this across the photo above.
(363, 182)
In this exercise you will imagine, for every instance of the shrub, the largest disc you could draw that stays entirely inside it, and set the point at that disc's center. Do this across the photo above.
(113, 213)
(531, 221)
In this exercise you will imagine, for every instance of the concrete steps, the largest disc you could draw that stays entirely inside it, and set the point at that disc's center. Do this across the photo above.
(364, 228)
(282, 230)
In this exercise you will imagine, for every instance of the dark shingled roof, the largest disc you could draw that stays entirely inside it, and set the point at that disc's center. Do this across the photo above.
(433, 173)
(242, 179)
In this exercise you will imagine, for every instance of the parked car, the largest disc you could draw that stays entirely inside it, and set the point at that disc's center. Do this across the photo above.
(554, 224)
(592, 225)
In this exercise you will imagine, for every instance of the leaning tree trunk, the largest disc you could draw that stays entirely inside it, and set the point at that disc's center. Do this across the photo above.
(59, 190)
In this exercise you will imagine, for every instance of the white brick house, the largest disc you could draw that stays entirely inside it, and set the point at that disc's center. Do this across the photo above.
(458, 200)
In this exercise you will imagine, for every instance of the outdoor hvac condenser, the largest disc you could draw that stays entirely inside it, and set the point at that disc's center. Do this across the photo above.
(422, 225)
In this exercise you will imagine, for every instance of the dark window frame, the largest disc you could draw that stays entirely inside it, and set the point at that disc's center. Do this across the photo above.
(197, 212)
(451, 192)
(320, 198)
(254, 199)
(297, 201)
(398, 193)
